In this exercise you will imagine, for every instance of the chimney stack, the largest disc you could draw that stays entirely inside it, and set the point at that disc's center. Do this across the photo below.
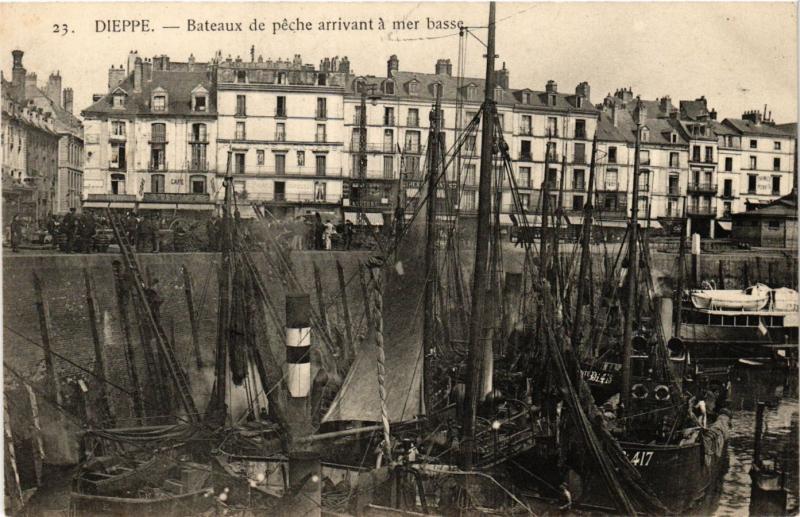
(393, 65)
(115, 76)
(147, 70)
(133, 55)
(443, 67)
(53, 89)
(138, 67)
(665, 104)
(501, 77)
(614, 115)
(344, 65)
(583, 90)
(67, 100)
(18, 76)
(753, 116)
(551, 87)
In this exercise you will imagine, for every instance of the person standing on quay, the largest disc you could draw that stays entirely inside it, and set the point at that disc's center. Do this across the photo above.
(16, 233)
(319, 228)
(87, 229)
(327, 234)
(69, 225)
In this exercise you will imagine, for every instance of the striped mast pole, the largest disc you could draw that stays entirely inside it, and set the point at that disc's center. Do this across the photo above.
(304, 461)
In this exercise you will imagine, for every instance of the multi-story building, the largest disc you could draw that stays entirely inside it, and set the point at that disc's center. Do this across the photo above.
(58, 102)
(691, 165)
(30, 143)
(766, 160)
(281, 123)
(534, 124)
(151, 139)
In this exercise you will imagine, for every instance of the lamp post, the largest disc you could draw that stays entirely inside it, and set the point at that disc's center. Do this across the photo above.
(367, 91)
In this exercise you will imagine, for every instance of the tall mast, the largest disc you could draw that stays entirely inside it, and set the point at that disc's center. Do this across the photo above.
(219, 393)
(428, 337)
(586, 237)
(678, 300)
(633, 264)
(544, 257)
(482, 238)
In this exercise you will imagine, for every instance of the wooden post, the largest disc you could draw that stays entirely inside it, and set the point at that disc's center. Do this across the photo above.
(104, 409)
(122, 306)
(770, 278)
(720, 275)
(745, 275)
(53, 384)
(349, 348)
(187, 291)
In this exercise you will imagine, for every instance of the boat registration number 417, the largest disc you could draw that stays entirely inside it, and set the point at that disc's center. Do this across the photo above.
(640, 458)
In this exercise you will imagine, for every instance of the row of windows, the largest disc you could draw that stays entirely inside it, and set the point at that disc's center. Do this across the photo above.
(281, 107)
(776, 145)
(197, 184)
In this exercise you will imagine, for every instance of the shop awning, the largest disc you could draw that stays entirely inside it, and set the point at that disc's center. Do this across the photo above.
(374, 218)
(611, 224)
(725, 225)
(109, 204)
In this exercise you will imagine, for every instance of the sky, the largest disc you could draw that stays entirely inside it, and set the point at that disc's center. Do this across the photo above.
(740, 55)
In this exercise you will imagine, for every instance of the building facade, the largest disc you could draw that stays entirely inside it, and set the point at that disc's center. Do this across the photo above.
(281, 133)
(42, 144)
(300, 139)
(151, 139)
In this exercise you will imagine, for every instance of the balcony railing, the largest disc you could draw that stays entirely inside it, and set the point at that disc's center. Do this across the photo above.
(280, 112)
(385, 147)
(280, 137)
(197, 165)
(282, 197)
(158, 139)
(552, 157)
(413, 148)
(525, 157)
(117, 137)
(579, 159)
(321, 114)
(174, 197)
(525, 131)
(388, 121)
(117, 166)
(309, 172)
(702, 210)
(580, 134)
(412, 122)
(194, 139)
(157, 166)
(710, 188)
(321, 139)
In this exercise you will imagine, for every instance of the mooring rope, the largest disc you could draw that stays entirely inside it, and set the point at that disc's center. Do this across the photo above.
(377, 318)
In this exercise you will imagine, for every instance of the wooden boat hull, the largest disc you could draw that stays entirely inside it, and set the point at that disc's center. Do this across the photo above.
(679, 475)
(176, 506)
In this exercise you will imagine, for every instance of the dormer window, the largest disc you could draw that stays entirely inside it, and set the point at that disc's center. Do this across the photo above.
(472, 92)
(358, 85)
(159, 102)
(322, 80)
(413, 87)
(645, 135)
(498, 94)
(388, 87)
(673, 138)
(199, 99)
(526, 97)
(578, 102)
(437, 89)
(551, 99)
(118, 98)
(241, 76)
(281, 77)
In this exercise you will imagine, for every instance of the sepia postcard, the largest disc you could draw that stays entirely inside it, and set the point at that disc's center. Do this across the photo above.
(400, 259)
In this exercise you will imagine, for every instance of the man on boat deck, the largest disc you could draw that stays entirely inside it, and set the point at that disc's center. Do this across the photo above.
(700, 407)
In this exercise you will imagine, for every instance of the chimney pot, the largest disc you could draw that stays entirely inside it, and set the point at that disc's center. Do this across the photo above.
(393, 65)
(551, 86)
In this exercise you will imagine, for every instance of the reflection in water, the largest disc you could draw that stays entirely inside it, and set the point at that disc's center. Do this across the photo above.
(778, 444)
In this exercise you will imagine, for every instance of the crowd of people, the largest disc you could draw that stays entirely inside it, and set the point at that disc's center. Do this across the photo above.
(310, 232)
